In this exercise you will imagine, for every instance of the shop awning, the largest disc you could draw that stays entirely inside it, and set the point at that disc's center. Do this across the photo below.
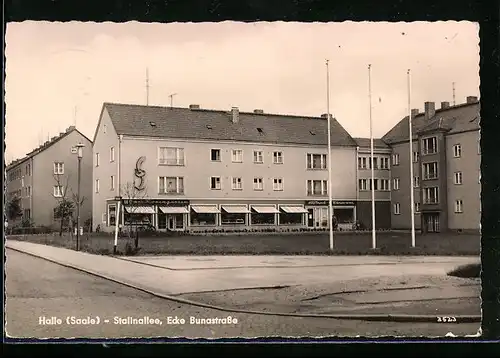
(205, 209)
(294, 209)
(236, 209)
(265, 209)
(173, 209)
(139, 209)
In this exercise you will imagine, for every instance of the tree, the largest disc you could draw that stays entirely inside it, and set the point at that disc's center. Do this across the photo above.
(64, 209)
(14, 210)
(131, 193)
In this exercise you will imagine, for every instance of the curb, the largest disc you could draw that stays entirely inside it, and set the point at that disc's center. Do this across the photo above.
(358, 317)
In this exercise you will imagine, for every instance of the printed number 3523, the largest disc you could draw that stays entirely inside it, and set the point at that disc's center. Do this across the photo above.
(446, 319)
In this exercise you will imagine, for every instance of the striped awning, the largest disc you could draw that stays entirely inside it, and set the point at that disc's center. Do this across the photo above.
(205, 209)
(294, 209)
(265, 209)
(139, 209)
(173, 209)
(235, 209)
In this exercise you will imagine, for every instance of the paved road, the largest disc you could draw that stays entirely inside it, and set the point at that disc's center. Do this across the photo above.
(37, 288)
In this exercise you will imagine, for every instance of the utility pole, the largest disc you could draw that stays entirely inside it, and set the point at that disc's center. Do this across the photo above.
(453, 84)
(79, 151)
(412, 189)
(330, 204)
(147, 86)
(172, 99)
(372, 164)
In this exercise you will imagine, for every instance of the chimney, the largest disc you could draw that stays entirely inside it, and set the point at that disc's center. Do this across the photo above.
(53, 138)
(414, 112)
(430, 110)
(70, 128)
(194, 106)
(471, 99)
(258, 111)
(236, 115)
(445, 105)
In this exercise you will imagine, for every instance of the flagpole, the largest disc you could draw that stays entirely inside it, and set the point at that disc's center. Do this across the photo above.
(330, 204)
(374, 235)
(412, 194)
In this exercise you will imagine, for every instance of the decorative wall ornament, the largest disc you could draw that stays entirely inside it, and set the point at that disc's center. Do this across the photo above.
(139, 173)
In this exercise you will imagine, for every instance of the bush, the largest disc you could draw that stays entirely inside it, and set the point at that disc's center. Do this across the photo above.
(467, 271)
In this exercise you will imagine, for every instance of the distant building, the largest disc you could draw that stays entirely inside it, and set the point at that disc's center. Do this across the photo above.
(196, 169)
(48, 173)
(381, 182)
(446, 163)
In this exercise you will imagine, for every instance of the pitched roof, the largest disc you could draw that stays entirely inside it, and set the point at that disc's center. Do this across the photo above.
(455, 119)
(365, 143)
(45, 146)
(185, 123)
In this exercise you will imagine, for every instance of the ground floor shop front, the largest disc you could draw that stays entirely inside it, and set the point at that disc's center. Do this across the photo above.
(200, 215)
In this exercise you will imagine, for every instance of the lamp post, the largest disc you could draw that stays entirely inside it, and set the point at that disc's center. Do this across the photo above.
(79, 151)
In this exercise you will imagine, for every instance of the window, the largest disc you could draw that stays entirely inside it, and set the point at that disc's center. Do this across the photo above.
(416, 182)
(417, 207)
(395, 184)
(457, 151)
(362, 184)
(112, 183)
(237, 156)
(396, 208)
(28, 191)
(395, 159)
(375, 163)
(237, 183)
(375, 182)
(362, 163)
(278, 157)
(258, 156)
(27, 214)
(258, 217)
(58, 191)
(112, 154)
(215, 183)
(478, 146)
(459, 206)
(278, 184)
(457, 178)
(415, 157)
(384, 163)
(316, 161)
(215, 155)
(205, 217)
(258, 184)
(58, 168)
(431, 195)
(97, 185)
(171, 156)
(28, 169)
(429, 145)
(112, 215)
(317, 187)
(384, 184)
(171, 185)
(430, 170)
(96, 159)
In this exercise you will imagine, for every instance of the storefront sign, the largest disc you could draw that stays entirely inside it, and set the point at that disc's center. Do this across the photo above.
(334, 203)
(152, 202)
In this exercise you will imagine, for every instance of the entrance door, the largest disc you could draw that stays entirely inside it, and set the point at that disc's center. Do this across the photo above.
(432, 222)
(171, 222)
(310, 217)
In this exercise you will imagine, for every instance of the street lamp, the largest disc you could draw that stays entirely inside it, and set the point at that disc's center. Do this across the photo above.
(79, 151)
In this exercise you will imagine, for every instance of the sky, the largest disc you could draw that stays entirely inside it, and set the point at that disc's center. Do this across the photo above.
(59, 74)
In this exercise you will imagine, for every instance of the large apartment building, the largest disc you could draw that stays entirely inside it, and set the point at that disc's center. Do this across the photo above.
(47, 174)
(196, 169)
(446, 165)
(381, 183)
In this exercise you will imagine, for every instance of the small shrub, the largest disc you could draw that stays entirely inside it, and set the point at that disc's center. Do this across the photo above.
(467, 271)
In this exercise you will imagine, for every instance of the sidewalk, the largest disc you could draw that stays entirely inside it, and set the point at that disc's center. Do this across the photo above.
(255, 288)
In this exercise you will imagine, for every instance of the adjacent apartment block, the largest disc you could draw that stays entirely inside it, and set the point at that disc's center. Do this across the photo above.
(196, 169)
(446, 165)
(381, 183)
(48, 174)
